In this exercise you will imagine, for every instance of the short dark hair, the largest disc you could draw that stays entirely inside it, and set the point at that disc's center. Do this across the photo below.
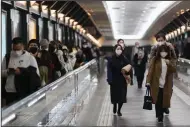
(120, 40)
(160, 35)
(34, 41)
(17, 40)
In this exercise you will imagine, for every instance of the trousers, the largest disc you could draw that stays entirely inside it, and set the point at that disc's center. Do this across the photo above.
(159, 104)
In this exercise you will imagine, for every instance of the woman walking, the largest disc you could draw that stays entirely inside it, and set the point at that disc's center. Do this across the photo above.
(118, 85)
(159, 79)
(140, 60)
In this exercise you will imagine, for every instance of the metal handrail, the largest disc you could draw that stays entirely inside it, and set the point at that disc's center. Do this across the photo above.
(184, 60)
(6, 112)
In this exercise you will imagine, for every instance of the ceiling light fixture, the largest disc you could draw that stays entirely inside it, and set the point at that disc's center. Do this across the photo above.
(32, 2)
(161, 7)
(44, 7)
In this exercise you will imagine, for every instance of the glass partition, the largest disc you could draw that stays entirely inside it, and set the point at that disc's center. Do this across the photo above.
(3, 34)
(50, 105)
(183, 67)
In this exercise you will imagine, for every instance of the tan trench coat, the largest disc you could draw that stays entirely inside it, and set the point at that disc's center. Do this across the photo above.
(153, 76)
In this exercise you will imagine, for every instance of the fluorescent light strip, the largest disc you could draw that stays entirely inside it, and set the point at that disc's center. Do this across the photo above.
(36, 100)
(153, 16)
(8, 119)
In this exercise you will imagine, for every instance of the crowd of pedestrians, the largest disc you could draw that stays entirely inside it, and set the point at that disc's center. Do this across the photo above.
(25, 70)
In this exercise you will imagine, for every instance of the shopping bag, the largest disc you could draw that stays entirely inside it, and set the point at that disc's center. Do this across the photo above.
(147, 100)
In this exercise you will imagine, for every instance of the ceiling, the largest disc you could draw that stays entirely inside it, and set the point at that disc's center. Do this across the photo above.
(99, 16)
(132, 19)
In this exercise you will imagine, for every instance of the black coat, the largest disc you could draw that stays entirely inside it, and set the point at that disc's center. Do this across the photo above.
(140, 68)
(118, 86)
(27, 82)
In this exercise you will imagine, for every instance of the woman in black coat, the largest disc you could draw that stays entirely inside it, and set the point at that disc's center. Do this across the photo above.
(118, 85)
(140, 60)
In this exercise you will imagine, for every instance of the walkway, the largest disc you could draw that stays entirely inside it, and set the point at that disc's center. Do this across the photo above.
(98, 112)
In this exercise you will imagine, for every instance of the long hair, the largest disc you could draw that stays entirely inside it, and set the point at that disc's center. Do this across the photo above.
(115, 47)
(163, 48)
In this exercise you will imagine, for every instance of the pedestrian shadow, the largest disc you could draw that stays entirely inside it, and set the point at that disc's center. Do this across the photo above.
(120, 121)
(167, 121)
(114, 122)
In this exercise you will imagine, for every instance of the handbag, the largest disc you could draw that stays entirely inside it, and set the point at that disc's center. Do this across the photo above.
(147, 100)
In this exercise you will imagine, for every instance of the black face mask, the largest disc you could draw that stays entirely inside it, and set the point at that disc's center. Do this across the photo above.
(51, 49)
(33, 50)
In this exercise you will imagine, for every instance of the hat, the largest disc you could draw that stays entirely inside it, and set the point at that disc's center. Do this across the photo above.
(44, 42)
(64, 47)
(34, 41)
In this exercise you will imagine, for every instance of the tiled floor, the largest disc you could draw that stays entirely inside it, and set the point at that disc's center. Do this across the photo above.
(99, 110)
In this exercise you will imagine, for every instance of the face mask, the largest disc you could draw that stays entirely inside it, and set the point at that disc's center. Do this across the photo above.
(51, 49)
(163, 54)
(118, 52)
(17, 53)
(33, 50)
(161, 43)
(85, 46)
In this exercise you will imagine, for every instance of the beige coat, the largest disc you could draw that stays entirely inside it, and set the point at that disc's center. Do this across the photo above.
(153, 77)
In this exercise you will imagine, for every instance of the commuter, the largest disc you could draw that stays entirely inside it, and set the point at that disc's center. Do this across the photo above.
(177, 55)
(67, 59)
(80, 58)
(140, 60)
(86, 48)
(187, 49)
(21, 72)
(33, 48)
(136, 48)
(59, 53)
(72, 57)
(118, 86)
(45, 64)
(161, 39)
(55, 61)
(160, 79)
(127, 54)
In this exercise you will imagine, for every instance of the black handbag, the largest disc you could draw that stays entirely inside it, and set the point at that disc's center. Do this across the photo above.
(147, 100)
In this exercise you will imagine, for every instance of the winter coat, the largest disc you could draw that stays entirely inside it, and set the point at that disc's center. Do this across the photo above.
(27, 82)
(140, 68)
(109, 73)
(118, 85)
(153, 77)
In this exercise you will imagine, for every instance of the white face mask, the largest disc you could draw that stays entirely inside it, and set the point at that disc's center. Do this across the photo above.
(17, 53)
(161, 43)
(118, 52)
(85, 46)
(163, 54)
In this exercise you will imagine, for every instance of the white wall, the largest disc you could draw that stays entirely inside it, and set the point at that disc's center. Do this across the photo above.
(128, 42)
